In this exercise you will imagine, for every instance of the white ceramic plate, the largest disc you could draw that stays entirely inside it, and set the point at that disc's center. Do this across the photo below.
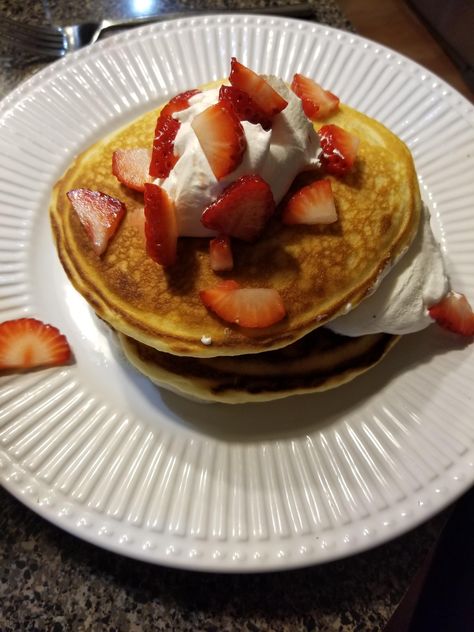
(97, 450)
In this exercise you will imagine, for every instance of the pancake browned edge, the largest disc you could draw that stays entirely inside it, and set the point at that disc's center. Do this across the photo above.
(318, 270)
(318, 362)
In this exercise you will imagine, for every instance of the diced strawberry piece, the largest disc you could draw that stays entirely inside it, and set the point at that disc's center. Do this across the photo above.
(221, 137)
(247, 307)
(178, 103)
(161, 231)
(28, 343)
(454, 313)
(244, 106)
(312, 204)
(317, 103)
(261, 92)
(130, 167)
(99, 213)
(242, 210)
(220, 252)
(339, 149)
(163, 158)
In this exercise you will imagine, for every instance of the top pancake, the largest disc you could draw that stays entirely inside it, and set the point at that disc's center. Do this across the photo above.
(318, 270)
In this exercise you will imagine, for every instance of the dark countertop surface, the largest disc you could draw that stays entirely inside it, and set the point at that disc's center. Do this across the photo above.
(49, 580)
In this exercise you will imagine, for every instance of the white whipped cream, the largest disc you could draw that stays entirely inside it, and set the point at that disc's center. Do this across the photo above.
(277, 155)
(400, 303)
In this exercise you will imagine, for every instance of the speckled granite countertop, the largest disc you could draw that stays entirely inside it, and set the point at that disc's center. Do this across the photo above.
(52, 581)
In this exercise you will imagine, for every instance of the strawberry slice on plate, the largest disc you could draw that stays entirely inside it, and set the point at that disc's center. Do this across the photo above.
(312, 204)
(161, 231)
(99, 213)
(247, 307)
(131, 166)
(242, 210)
(454, 313)
(28, 343)
(260, 91)
(317, 103)
(244, 106)
(163, 158)
(221, 137)
(220, 253)
(339, 149)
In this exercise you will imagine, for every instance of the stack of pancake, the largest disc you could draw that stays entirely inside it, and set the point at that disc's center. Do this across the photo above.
(321, 272)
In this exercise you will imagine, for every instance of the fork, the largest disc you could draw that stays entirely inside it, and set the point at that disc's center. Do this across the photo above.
(56, 41)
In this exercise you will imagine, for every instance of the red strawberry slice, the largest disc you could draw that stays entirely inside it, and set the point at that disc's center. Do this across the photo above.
(130, 167)
(454, 313)
(244, 106)
(317, 103)
(161, 231)
(220, 252)
(261, 92)
(312, 204)
(221, 137)
(178, 103)
(163, 158)
(242, 210)
(99, 213)
(28, 343)
(247, 307)
(339, 149)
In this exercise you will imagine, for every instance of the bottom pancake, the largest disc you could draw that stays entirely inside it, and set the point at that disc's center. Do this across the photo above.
(320, 361)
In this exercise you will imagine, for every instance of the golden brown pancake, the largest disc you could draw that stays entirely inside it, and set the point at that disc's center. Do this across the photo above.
(318, 270)
(319, 361)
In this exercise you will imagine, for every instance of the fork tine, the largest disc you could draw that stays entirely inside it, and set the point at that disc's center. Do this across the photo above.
(51, 34)
(39, 40)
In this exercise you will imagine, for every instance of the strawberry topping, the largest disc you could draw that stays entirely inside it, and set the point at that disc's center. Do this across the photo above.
(221, 254)
(339, 149)
(130, 167)
(99, 213)
(161, 231)
(163, 158)
(247, 307)
(244, 106)
(454, 313)
(242, 210)
(312, 204)
(27, 343)
(317, 103)
(260, 91)
(221, 137)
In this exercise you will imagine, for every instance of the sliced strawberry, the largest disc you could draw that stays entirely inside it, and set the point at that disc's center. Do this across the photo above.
(130, 167)
(220, 252)
(163, 158)
(221, 137)
(339, 149)
(178, 103)
(28, 343)
(242, 210)
(312, 204)
(161, 231)
(260, 91)
(454, 313)
(99, 213)
(317, 103)
(247, 307)
(244, 106)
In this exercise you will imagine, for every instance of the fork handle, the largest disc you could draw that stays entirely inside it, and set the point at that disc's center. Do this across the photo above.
(303, 10)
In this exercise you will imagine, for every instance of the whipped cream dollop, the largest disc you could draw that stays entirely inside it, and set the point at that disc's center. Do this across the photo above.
(400, 303)
(277, 155)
